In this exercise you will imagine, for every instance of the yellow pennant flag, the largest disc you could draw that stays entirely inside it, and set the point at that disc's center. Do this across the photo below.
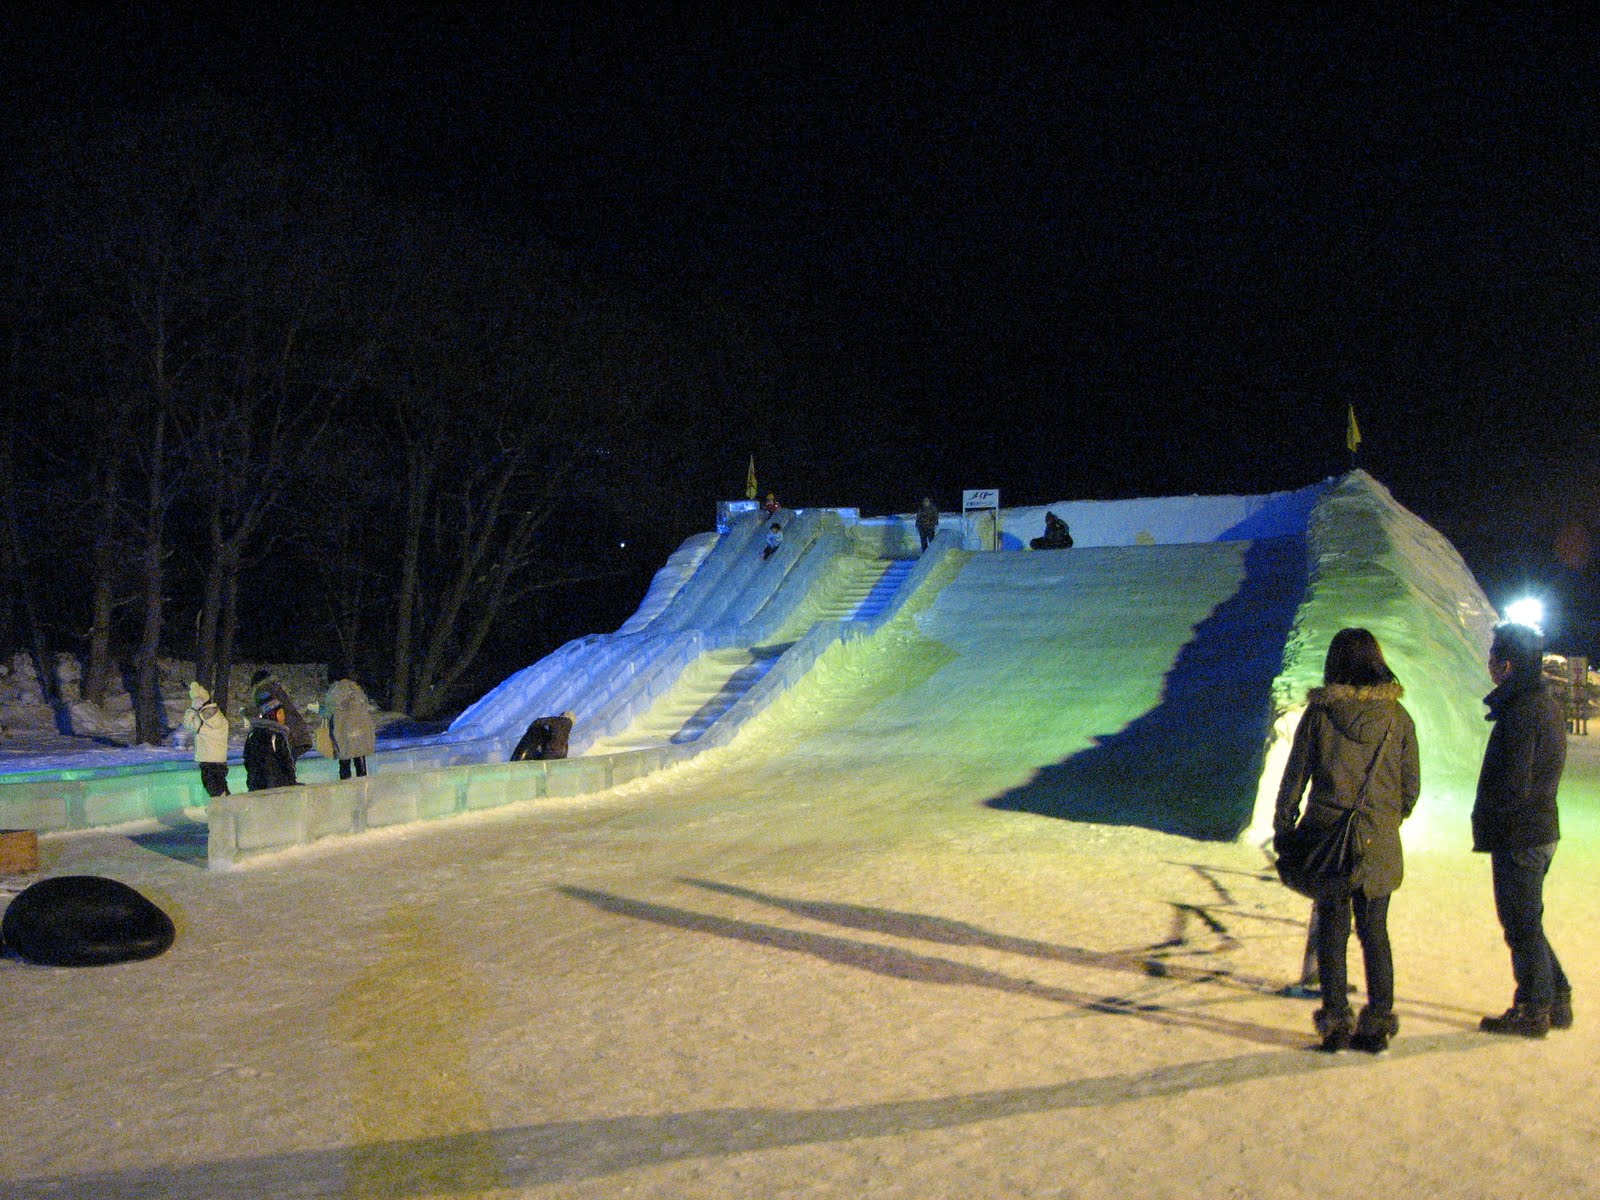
(1352, 431)
(750, 479)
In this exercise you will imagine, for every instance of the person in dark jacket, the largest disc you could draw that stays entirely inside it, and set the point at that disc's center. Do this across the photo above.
(1057, 536)
(927, 521)
(265, 688)
(1515, 821)
(545, 738)
(268, 759)
(1356, 746)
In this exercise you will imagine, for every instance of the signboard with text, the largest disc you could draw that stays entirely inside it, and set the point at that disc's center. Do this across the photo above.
(980, 513)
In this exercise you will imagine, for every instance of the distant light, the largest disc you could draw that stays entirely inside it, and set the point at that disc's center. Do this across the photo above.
(1527, 611)
(623, 545)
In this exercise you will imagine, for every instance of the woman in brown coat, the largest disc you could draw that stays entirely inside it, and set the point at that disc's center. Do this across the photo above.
(1357, 748)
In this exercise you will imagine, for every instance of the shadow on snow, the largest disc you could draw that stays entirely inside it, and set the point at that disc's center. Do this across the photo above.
(589, 1148)
(1190, 766)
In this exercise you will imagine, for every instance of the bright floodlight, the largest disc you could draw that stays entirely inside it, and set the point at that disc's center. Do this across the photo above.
(1527, 611)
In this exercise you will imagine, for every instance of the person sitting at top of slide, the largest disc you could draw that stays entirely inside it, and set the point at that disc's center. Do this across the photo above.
(1056, 535)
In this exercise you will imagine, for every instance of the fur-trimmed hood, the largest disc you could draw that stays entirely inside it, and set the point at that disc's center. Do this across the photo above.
(1362, 714)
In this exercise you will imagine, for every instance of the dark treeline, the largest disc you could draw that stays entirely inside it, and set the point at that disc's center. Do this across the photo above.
(257, 405)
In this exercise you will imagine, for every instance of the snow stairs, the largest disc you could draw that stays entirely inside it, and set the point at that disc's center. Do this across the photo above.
(708, 687)
(716, 681)
(869, 585)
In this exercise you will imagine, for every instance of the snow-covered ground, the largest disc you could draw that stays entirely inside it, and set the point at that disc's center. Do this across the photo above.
(821, 961)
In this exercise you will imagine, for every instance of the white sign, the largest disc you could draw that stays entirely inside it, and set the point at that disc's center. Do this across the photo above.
(982, 532)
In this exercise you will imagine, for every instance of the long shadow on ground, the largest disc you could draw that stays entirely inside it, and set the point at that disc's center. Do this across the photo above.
(1153, 962)
(555, 1152)
(528, 1156)
(897, 963)
(1190, 765)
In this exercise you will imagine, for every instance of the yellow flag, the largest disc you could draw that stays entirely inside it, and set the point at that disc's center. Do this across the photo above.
(750, 479)
(1352, 431)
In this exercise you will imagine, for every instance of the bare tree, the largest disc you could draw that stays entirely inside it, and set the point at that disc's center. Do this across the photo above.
(19, 578)
(500, 395)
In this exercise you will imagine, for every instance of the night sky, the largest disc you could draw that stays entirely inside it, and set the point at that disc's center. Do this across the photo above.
(1093, 255)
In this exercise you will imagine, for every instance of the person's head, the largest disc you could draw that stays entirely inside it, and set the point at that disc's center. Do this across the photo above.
(197, 693)
(775, 525)
(1516, 650)
(272, 711)
(1356, 659)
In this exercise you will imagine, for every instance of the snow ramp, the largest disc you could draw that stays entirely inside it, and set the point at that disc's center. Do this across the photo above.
(1153, 675)
(717, 618)
(1106, 684)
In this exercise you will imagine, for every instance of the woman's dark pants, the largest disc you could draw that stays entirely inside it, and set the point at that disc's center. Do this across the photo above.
(1334, 909)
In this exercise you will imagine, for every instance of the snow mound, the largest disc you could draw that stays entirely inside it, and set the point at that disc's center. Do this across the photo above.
(1375, 564)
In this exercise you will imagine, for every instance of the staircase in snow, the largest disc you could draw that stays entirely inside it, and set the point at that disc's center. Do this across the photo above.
(718, 679)
(866, 588)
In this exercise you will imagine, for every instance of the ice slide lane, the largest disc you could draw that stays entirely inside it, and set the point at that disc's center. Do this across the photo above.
(1113, 685)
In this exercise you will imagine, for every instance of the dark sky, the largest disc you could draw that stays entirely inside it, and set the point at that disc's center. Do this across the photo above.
(1097, 254)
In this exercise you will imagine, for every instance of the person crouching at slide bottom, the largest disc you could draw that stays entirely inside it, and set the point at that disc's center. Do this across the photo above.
(546, 738)
(1356, 747)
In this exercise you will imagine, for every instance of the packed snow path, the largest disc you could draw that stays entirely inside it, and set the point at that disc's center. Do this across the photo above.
(777, 973)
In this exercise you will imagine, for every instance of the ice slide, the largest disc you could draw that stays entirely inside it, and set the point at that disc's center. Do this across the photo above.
(853, 589)
(1150, 675)
(717, 610)
(715, 621)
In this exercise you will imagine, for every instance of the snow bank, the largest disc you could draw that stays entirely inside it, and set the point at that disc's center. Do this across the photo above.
(1377, 565)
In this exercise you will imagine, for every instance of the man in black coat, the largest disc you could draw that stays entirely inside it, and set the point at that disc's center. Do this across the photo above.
(1514, 821)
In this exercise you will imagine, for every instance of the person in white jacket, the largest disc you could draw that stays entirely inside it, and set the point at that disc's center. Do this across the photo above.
(209, 725)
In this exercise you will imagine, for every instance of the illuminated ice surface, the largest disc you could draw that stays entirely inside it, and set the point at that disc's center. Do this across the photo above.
(835, 958)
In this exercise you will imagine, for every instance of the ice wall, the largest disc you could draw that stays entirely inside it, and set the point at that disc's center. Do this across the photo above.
(1375, 564)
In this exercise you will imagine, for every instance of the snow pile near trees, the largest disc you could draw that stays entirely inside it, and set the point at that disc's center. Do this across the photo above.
(33, 726)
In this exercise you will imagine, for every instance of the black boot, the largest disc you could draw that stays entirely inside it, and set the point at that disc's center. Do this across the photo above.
(1334, 1027)
(1561, 1010)
(1374, 1030)
(1520, 1020)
